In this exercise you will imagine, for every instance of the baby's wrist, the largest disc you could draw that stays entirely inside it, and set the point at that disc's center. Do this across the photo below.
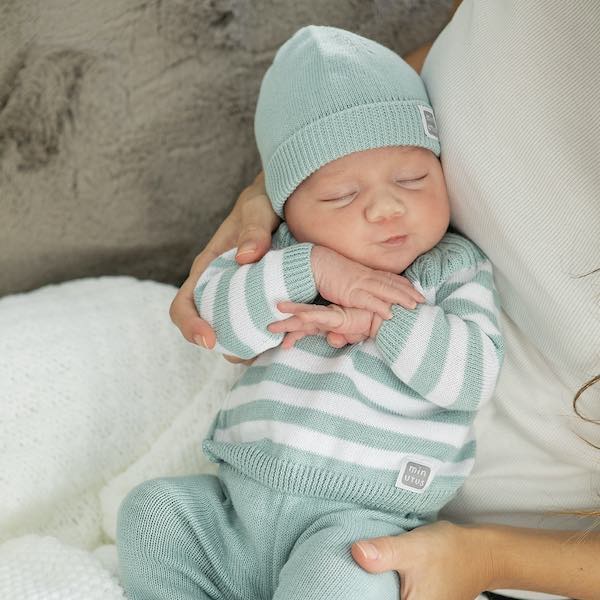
(316, 257)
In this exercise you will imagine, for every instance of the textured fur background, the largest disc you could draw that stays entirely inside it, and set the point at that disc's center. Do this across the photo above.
(126, 126)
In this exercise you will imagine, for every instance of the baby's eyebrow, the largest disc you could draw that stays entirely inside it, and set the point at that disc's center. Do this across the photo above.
(325, 178)
(334, 173)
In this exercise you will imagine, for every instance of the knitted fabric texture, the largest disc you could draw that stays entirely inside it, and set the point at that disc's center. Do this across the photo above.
(329, 93)
(114, 403)
(341, 423)
(231, 538)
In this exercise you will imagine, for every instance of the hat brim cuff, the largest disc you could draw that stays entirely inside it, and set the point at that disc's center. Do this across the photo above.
(392, 123)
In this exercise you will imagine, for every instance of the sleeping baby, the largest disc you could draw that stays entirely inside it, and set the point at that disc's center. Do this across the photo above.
(320, 446)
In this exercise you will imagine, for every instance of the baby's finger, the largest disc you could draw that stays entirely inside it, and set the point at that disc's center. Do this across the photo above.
(337, 340)
(364, 299)
(403, 283)
(286, 325)
(354, 338)
(412, 292)
(407, 301)
(403, 294)
(393, 288)
(327, 319)
(297, 307)
(291, 338)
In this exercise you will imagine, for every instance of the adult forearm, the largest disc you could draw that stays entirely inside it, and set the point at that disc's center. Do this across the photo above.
(556, 562)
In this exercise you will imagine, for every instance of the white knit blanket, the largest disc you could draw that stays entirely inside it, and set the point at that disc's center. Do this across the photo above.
(98, 392)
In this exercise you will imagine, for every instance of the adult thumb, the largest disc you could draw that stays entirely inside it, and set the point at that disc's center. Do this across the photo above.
(378, 554)
(257, 222)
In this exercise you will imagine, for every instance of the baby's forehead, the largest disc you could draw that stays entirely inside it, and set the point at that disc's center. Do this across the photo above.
(381, 157)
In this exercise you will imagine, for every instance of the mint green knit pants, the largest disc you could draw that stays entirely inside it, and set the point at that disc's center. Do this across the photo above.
(232, 538)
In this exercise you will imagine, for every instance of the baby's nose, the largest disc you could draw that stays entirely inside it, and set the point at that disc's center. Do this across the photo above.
(385, 207)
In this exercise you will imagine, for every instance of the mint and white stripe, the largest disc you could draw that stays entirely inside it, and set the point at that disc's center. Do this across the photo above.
(413, 390)
(240, 301)
(353, 410)
(395, 399)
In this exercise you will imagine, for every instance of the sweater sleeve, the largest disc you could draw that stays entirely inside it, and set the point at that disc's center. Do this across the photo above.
(240, 301)
(450, 352)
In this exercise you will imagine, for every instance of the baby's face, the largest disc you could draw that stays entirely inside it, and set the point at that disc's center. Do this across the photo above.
(381, 207)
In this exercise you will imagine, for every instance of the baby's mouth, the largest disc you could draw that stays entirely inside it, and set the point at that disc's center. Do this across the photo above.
(395, 240)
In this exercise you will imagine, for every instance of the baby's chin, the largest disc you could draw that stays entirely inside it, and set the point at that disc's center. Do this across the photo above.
(392, 262)
(389, 263)
(396, 259)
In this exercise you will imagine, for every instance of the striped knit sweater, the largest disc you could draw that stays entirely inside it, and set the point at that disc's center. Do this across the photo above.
(386, 422)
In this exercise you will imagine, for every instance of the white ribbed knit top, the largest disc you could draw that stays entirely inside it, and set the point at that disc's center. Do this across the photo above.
(515, 88)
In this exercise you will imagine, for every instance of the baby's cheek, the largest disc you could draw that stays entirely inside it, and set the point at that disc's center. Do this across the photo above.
(331, 233)
(300, 230)
(308, 226)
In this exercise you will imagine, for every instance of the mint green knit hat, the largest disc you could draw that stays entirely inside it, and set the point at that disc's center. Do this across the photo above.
(328, 93)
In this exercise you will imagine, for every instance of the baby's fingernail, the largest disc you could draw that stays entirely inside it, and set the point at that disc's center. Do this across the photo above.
(369, 551)
(200, 340)
(246, 248)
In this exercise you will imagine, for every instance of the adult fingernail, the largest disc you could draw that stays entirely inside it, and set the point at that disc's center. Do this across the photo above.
(246, 248)
(200, 340)
(369, 551)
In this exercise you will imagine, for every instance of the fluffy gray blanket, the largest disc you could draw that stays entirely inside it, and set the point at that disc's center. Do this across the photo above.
(126, 126)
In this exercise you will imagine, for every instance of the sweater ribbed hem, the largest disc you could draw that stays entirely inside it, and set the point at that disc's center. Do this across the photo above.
(298, 274)
(306, 480)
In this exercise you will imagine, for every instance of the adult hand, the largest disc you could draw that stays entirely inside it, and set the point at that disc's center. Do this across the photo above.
(249, 227)
(354, 324)
(440, 561)
(347, 283)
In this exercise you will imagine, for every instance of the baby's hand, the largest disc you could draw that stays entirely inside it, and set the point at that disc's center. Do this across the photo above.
(339, 340)
(354, 324)
(348, 283)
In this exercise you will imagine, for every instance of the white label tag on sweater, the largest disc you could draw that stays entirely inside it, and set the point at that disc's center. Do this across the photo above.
(429, 124)
(415, 474)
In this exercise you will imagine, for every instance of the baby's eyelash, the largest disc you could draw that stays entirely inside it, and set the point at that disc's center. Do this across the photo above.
(339, 197)
(411, 180)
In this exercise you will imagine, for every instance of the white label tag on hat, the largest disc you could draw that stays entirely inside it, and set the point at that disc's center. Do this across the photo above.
(429, 124)
(416, 474)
